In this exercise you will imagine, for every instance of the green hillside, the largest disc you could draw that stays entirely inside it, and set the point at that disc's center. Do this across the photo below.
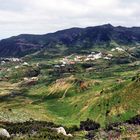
(106, 90)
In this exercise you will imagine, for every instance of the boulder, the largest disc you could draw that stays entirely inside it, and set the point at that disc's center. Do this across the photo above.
(61, 130)
(4, 133)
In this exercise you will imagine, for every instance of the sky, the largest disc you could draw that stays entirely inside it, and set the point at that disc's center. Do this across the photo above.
(44, 16)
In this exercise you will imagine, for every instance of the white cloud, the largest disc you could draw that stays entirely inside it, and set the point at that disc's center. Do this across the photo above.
(42, 16)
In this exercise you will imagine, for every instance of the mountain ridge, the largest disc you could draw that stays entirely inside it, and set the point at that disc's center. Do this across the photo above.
(21, 45)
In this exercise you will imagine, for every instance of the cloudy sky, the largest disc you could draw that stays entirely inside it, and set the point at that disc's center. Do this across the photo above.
(43, 16)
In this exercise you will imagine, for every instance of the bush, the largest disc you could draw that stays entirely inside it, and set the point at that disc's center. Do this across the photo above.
(134, 120)
(89, 125)
(72, 129)
(32, 72)
(34, 130)
(111, 126)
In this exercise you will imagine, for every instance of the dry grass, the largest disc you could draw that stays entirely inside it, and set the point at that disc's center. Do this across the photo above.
(117, 110)
(59, 86)
(6, 87)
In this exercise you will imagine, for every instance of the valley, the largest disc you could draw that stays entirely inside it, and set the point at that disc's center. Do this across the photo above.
(44, 91)
(91, 93)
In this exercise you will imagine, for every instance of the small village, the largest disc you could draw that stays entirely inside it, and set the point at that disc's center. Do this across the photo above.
(63, 65)
(95, 55)
(74, 59)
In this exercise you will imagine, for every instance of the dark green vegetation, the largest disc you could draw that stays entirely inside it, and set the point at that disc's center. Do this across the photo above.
(34, 130)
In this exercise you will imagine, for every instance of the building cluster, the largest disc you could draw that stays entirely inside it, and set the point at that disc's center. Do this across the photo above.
(6, 60)
(85, 58)
(118, 49)
(67, 63)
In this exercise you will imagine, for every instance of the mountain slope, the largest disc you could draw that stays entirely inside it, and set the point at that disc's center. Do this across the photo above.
(76, 38)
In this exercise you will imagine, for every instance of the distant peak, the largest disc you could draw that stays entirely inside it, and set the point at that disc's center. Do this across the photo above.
(108, 25)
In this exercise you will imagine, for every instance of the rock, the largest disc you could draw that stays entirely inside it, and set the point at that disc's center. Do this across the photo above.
(25, 64)
(69, 135)
(61, 130)
(34, 78)
(4, 133)
(25, 79)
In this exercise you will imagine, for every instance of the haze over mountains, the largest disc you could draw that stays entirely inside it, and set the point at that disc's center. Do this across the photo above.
(81, 38)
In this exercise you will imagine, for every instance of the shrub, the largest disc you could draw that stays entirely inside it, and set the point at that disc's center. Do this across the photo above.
(89, 125)
(134, 120)
(111, 126)
(32, 72)
(72, 129)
